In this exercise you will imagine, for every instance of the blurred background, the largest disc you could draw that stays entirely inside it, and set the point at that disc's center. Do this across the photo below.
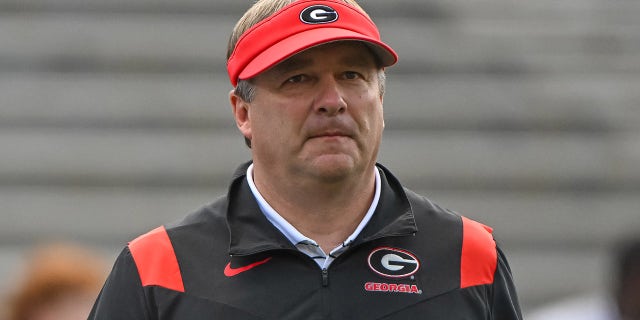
(524, 115)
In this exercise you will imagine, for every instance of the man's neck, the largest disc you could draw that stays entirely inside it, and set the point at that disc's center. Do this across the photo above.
(326, 213)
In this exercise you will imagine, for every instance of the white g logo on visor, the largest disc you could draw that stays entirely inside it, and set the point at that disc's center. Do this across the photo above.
(318, 14)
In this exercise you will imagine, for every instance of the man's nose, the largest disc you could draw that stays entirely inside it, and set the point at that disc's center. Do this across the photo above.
(330, 98)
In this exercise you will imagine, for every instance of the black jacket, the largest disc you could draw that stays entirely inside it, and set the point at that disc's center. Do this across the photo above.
(414, 260)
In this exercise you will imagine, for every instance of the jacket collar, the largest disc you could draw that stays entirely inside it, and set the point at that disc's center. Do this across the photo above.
(251, 232)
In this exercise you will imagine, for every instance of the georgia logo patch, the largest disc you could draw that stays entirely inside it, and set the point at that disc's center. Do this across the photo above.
(393, 262)
(318, 14)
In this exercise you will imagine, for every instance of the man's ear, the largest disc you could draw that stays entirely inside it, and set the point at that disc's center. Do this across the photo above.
(241, 114)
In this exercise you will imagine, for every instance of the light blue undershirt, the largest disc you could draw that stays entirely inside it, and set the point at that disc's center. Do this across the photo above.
(302, 242)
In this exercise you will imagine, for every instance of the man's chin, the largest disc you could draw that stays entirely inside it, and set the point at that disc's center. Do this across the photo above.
(334, 167)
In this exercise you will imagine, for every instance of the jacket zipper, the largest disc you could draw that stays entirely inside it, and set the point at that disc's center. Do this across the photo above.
(325, 277)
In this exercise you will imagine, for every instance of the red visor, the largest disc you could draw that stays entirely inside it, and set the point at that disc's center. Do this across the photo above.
(299, 26)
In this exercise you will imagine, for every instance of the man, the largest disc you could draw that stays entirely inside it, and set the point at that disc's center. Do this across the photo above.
(312, 228)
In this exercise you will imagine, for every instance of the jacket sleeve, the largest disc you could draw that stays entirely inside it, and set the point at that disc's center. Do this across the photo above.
(504, 302)
(122, 296)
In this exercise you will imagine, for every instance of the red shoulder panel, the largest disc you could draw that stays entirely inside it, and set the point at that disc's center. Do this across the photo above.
(479, 256)
(156, 261)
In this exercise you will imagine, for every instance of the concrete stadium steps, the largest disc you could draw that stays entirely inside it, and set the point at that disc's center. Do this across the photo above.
(90, 100)
(561, 271)
(587, 11)
(112, 157)
(124, 42)
(600, 102)
(108, 216)
(530, 161)
(148, 6)
(511, 47)
(458, 9)
(113, 42)
(512, 160)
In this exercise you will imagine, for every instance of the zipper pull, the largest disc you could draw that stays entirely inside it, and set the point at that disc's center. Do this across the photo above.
(325, 277)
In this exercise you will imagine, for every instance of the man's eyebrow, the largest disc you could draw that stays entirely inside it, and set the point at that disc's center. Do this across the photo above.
(291, 64)
(362, 61)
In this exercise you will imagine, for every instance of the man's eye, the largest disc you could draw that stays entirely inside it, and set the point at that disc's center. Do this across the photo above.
(296, 79)
(351, 75)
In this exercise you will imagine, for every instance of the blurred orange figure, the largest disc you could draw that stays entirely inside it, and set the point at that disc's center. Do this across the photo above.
(61, 281)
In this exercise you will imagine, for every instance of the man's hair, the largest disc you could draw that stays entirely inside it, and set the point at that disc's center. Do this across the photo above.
(261, 10)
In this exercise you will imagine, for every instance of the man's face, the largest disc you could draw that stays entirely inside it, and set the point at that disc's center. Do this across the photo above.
(318, 114)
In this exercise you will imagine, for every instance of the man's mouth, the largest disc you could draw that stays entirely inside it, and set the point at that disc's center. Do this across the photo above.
(330, 134)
